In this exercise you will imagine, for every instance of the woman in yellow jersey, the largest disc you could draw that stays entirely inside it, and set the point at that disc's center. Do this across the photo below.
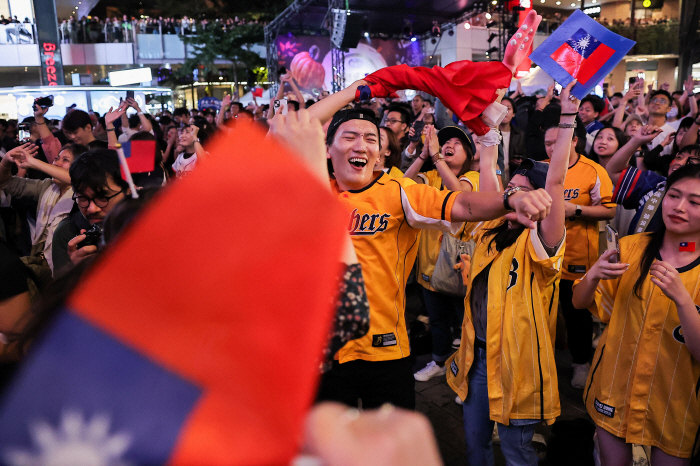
(450, 173)
(504, 370)
(643, 386)
(390, 155)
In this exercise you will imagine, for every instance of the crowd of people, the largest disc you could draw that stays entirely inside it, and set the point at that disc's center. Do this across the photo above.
(88, 30)
(497, 220)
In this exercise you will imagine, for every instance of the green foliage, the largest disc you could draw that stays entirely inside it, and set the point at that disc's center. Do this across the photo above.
(213, 43)
(653, 39)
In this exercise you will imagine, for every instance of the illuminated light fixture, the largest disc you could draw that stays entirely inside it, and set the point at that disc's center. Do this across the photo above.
(413, 39)
(646, 3)
(541, 1)
(366, 34)
(491, 24)
(558, 3)
(573, 4)
(594, 1)
(494, 2)
(467, 26)
(221, 78)
(488, 15)
(492, 50)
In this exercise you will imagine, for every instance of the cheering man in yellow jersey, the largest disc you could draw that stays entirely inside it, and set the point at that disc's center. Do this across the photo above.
(385, 216)
(504, 370)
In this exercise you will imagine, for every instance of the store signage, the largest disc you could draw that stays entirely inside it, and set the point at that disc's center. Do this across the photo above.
(49, 45)
(592, 10)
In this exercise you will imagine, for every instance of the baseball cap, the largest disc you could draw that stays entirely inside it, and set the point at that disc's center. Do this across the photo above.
(346, 115)
(535, 172)
(449, 132)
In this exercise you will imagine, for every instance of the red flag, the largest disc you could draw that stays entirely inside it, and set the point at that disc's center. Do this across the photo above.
(687, 246)
(257, 91)
(227, 324)
(140, 156)
(464, 87)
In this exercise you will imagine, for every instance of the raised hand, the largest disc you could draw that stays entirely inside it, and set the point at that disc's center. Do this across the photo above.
(646, 134)
(39, 112)
(431, 140)
(667, 278)
(569, 103)
(114, 115)
(531, 206)
(665, 86)
(133, 104)
(544, 101)
(19, 151)
(305, 137)
(25, 158)
(518, 46)
(689, 85)
(226, 102)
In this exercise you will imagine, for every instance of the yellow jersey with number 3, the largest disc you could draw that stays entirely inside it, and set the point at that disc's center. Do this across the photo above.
(384, 220)
(523, 296)
(644, 383)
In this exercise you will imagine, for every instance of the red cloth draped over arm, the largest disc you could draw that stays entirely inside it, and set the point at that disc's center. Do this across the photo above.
(464, 87)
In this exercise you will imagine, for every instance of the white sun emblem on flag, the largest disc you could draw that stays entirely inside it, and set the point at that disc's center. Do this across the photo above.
(582, 44)
(76, 442)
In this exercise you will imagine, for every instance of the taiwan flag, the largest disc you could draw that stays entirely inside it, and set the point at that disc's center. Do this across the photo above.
(687, 246)
(205, 350)
(257, 92)
(581, 49)
(140, 156)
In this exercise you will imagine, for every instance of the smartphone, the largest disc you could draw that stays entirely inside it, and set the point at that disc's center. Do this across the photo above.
(558, 88)
(281, 106)
(430, 110)
(417, 131)
(613, 243)
(632, 81)
(129, 94)
(23, 132)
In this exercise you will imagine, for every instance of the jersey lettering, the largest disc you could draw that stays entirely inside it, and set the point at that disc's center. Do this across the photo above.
(678, 331)
(570, 194)
(366, 224)
(513, 274)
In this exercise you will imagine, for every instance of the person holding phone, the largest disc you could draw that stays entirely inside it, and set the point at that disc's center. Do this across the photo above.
(642, 388)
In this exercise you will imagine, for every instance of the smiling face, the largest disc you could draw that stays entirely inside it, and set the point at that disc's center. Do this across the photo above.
(354, 152)
(64, 160)
(455, 154)
(605, 143)
(187, 137)
(682, 158)
(681, 207)
(587, 113)
(81, 136)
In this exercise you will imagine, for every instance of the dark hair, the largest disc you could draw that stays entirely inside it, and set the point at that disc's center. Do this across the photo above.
(619, 135)
(663, 93)
(512, 102)
(394, 157)
(503, 237)
(165, 120)
(295, 104)
(239, 105)
(405, 114)
(552, 121)
(124, 213)
(134, 121)
(93, 170)
(75, 120)
(310, 102)
(656, 238)
(597, 103)
(181, 111)
(367, 115)
(76, 150)
(247, 112)
(618, 94)
(3, 123)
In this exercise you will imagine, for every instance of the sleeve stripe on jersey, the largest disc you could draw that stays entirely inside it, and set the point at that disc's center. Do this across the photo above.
(626, 184)
(416, 220)
(444, 204)
(595, 192)
(424, 178)
(539, 249)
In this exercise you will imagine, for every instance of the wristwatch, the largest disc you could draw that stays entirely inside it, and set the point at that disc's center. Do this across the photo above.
(506, 196)
(579, 211)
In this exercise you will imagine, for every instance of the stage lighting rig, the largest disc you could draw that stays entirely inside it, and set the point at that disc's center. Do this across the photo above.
(491, 24)
(492, 50)
(435, 31)
(491, 37)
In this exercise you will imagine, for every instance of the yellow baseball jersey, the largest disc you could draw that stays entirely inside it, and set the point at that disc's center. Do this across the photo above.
(587, 183)
(429, 243)
(394, 172)
(384, 221)
(522, 312)
(643, 384)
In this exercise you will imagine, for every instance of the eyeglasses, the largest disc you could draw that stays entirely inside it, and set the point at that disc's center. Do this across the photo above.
(659, 101)
(99, 201)
(392, 121)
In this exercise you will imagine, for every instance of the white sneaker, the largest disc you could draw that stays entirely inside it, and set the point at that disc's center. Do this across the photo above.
(580, 375)
(459, 401)
(429, 371)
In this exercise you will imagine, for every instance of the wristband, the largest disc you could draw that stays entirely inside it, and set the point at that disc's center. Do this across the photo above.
(569, 114)
(111, 129)
(139, 113)
(567, 125)
(494, 114)
(492, 138)
(42, 123)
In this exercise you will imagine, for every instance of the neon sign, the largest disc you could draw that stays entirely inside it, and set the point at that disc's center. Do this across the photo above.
(49, 56)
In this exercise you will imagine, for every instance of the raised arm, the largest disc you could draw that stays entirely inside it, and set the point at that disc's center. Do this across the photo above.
(621, 159)
(449, 179)
(691, 137)
(225, 104)
(554, 226)
(25, 159)
(417, 164)
(50, 143)
(145, 122)
(295, 89)
(326, 108)
(530, 207)
(110, 117)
